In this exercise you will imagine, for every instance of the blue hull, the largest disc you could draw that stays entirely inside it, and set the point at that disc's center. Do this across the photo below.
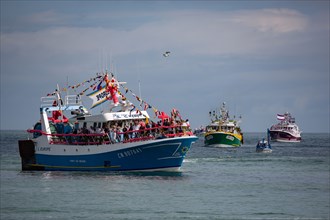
(158, 155)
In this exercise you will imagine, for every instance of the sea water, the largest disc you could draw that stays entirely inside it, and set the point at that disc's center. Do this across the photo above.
(292, 182)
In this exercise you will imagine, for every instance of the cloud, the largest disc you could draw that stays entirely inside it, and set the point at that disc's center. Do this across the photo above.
(237, 56)
(195, 32)
(49, 17)
(273, 20)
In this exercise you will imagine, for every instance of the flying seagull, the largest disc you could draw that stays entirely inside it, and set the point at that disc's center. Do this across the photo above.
(166, 54)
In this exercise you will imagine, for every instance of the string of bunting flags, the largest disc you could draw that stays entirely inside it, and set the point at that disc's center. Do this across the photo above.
(95, 84)
(143, 103)
(93, 80)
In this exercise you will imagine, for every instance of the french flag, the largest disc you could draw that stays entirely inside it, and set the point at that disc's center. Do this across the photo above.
(280, 117)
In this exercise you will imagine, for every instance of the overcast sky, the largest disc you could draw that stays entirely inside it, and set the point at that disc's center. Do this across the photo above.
(260, 57)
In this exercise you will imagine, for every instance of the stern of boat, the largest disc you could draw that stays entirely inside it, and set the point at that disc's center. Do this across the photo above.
(27, 154)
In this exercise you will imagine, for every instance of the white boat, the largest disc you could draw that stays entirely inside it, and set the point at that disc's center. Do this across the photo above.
(286, 130)
(114, 140)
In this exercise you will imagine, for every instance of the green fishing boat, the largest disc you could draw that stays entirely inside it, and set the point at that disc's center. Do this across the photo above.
(223, 131)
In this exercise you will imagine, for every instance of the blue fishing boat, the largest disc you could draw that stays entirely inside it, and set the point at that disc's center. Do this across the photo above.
(114, 140)
(264, 146)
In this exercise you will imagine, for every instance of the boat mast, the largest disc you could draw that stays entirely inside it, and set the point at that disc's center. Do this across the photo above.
(140, 89)
(223, 116)
(59, 100)
(67, 86)
(139, 82)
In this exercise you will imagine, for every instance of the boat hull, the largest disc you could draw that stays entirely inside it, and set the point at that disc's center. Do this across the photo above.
(283, 136)
(156, 155)
(264, 150)
(222, 139)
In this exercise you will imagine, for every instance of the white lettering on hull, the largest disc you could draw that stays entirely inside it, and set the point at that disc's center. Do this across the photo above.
(129, 153)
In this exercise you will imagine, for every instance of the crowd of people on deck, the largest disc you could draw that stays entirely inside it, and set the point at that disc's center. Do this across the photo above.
(122, 131)
(117, 131)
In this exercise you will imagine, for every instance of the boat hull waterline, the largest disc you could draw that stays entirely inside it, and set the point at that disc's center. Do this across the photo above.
(264, 150)
(286, 130)
(282, 136)
(222, 139)
(156, 155)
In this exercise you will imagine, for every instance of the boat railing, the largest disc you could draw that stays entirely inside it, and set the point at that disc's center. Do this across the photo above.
(292, 120)
(48, 101)
(113, 137)
(73, 100)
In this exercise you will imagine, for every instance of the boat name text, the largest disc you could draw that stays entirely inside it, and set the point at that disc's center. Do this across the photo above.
(230, 137)
(43, 149)
(77, 161)
(209, 137)
(125, 115)
(102, 95)
(129, 153)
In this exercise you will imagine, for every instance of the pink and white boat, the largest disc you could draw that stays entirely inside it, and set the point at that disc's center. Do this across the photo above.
(286, 130)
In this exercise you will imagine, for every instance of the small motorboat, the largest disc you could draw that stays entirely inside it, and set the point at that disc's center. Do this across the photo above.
(264, 146)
